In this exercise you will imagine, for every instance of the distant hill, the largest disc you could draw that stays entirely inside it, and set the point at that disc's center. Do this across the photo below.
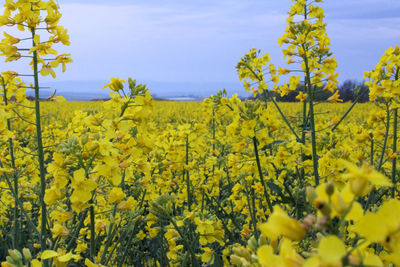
(88, 90)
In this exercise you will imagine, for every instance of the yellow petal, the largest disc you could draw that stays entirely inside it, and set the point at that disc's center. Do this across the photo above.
(372, 260)
(266, 255)
(48, 254)
(65, 258)
(36, 263)
(355, 213)
(372, 227)
(331, 250)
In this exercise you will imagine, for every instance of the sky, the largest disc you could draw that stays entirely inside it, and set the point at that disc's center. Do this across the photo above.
(201, 41)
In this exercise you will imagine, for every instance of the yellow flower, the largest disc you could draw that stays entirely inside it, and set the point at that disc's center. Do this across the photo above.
(248, 128)
(335, 97)
(361, 177)
(115, 84)
(60, 35)
(141, 235)
(89, 263)
(63, 59)
(52, 195)
(207, 255)
(10, 39)
(294, 82)
(60, 230)
(82, 190)
(383, 226)
(283, 71)
(301, 96)
(116, 195)
(47, 69)
(280, 224)
(128, 204)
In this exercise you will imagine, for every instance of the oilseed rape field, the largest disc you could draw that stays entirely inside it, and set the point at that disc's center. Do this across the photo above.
(224, 182)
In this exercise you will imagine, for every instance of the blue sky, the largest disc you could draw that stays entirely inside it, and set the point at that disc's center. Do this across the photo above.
(201, 41)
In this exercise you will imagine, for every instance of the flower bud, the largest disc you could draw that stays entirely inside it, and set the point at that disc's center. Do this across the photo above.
(358, 186)
(329, 188)
(235, 260)
(15, 254)
(84, 139)
(246, 254)
(11, 262)
(27, 254)
(252, 243)
(237, 251)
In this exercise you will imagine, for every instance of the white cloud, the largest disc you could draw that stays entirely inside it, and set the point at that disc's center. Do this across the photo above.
(203, 40)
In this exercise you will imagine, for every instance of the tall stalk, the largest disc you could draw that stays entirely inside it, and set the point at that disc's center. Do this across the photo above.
(394, 148)
(43, 230)
(92, 232)
(189, 194)
(312, 119)
(303, 138)
(394, 151)
(261, 174)
(310, 92)
(15, 176)
(380, 163)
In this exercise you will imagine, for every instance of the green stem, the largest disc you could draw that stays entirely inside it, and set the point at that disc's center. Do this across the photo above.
(125, 106)
(261, 174)
(314, 144)
(21, 207)
(312, 118)
(372, 150)
(126, 249)
(110, 234)
(189, 194)
(74, 236)
(284, 117)
(394, 151)
(303, 139)
(394, 143)
(349, 109)
(15, 176)
(187, 244)
(92, 233)
(305, 115)
(386, 138)
(119, 241)
(276, 105)
(43, 230)
(252, 211)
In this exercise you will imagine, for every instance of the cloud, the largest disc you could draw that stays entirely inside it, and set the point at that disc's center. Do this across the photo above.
(177, 42)
(202, 40)
(363, 9)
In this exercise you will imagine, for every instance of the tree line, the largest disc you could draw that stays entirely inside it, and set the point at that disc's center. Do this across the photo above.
(349, 90)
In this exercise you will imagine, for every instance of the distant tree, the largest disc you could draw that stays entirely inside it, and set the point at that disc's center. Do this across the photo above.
(349, 90)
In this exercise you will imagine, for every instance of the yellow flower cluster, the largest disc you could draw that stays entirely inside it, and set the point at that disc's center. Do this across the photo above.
(308, 44)
(28, 15)
(384, 78)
